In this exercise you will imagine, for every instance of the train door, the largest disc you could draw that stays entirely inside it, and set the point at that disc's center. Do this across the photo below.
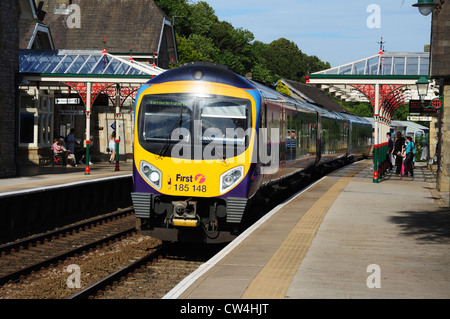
(318, 138)
(269, 156)
(349, 137)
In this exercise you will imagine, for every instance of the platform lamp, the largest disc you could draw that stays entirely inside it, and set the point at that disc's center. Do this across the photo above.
(422, 87)
(425, 6)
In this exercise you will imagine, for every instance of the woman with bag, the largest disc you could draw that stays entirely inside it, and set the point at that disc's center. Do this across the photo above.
(402, 155)
(410, 152)
(399, 141)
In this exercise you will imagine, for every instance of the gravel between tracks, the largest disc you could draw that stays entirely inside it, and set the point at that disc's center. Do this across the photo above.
(94, 265)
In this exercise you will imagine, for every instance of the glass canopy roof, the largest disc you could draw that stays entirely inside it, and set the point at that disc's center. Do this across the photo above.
(81, 62)
(389, 63)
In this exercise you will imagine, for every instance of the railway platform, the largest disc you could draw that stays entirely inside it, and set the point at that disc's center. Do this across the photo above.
(37, 177)
(43, 197)
(343, 237)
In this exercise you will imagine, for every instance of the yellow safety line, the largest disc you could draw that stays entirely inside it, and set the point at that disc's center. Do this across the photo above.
(273, 281)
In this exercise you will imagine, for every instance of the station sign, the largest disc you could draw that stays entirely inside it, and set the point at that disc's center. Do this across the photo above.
(420, 118)
(64, 100)
(71, 112)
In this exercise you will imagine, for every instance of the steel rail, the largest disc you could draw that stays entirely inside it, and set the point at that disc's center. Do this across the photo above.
(55, 233)
(16, 275)
(93, 289)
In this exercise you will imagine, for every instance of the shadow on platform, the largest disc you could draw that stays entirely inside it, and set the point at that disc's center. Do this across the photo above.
(426, 226)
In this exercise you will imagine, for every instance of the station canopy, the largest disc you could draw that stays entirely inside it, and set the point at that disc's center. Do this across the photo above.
(87, 72)
(389, 68)
(48, 66)
(388, 63)
(386, 80)
(405, 127)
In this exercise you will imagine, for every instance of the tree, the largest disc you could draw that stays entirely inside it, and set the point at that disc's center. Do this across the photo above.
(262, 74)
(202, 37)
(363, 109)
(178, 11)
(202, 18)
(204, 46)
(402, 113)
(285, 60)
(187, 52)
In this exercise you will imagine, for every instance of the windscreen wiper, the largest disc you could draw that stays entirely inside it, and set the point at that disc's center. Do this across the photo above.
(178, 124)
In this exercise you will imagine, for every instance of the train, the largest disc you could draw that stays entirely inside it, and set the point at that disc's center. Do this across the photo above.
(209, 143)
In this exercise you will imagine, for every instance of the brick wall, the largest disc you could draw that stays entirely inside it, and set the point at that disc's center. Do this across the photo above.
(9, 68)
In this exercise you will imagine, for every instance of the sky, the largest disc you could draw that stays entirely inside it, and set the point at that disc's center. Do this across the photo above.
(336, 31)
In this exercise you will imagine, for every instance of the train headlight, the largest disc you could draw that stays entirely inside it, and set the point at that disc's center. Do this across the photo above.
(231, 178)
(155, 177)
(151, 174)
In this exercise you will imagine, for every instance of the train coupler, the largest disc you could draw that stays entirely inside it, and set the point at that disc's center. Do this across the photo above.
(185, 214)
(181, 222)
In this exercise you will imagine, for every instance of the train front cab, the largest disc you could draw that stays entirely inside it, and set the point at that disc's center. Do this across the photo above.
(187, 188)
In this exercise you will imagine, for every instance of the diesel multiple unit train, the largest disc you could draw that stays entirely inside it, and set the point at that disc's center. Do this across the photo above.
(208, 143)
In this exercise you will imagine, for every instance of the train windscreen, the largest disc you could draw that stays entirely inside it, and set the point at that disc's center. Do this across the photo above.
(194, 127)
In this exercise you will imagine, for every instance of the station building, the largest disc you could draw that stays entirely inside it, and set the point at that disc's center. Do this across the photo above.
(9, 67)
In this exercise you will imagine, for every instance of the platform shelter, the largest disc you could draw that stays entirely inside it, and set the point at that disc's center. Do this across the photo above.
(386, 80)
(45, 74)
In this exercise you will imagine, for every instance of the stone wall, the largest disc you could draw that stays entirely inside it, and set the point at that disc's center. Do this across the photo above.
(440, 71)
(9, 69)
(440, 41)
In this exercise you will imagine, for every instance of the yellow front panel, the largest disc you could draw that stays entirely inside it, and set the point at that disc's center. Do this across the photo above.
(186, 177)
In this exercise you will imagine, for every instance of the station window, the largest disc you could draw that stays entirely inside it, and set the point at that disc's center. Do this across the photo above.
(36, 119)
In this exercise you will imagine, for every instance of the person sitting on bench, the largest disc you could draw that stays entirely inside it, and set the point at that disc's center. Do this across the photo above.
(59, 150)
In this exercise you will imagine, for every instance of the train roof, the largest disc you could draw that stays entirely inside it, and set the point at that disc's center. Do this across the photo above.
(203, 71)
(214, 72)
(357, 119)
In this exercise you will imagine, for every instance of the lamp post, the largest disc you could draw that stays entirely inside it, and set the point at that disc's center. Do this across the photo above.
(425, 6)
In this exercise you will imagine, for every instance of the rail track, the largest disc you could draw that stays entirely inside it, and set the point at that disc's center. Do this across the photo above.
(24, 257)
(114, 261)
(152, 276)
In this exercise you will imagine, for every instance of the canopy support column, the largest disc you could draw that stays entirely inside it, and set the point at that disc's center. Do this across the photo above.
(376, 149)
(87, 170)
(117, 116)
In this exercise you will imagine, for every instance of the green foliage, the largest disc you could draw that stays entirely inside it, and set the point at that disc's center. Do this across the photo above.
(359, 108)
(187, 51)
(401, 114)
(202, 37)
(283, 88)
(284, 59)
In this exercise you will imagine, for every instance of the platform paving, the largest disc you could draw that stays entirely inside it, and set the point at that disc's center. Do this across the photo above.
(398, 229)
(344, 238)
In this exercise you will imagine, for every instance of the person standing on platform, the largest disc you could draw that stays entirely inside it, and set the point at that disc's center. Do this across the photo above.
(71, 140)
(410, 152)
(400, 140)
(112, 147)
(438, 150)
(389, 156)
(424, 156)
